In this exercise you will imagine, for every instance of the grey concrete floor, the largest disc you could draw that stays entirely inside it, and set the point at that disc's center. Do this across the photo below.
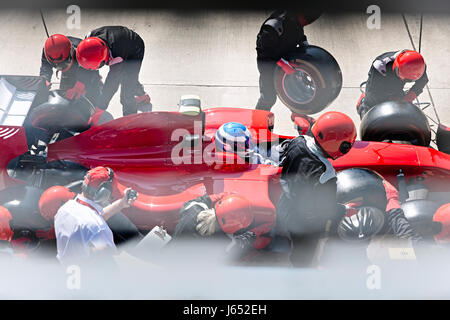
(212, 53)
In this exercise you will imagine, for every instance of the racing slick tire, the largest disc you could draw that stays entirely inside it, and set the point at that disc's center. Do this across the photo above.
(317, 82)
(59, 113)
(419, 214)
(443, 138)
(362, 186)
(396, 121)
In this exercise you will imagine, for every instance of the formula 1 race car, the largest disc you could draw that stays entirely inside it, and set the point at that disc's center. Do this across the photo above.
(169, 158)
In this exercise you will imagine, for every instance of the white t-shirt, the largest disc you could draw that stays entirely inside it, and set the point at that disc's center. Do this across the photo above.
(80, 228)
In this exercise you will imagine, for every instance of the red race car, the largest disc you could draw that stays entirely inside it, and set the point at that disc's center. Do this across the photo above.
(167, 157)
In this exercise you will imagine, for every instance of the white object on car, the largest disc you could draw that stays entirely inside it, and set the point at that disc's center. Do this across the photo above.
(190, 105)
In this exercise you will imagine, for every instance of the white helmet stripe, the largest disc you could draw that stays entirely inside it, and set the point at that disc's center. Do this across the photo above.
(228, 137)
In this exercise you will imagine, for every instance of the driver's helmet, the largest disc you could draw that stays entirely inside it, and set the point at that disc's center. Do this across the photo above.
(234, 137)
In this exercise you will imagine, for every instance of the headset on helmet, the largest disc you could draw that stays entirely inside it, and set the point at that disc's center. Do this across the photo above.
(335, 133)
(233, 213)
(92, 53)
(58, 51)
(103, 191)
(234, 137)
(409, 65)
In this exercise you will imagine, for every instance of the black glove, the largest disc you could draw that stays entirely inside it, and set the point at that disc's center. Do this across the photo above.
(245, 239)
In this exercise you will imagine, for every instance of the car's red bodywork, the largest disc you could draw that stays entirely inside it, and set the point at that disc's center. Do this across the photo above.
(146, 153)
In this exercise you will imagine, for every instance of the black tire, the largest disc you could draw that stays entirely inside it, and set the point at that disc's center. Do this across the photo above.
(59, 113)
(419, 214)
(361, 185)
(313, 89)
(22, 201)
(396, 121)
(443, 139)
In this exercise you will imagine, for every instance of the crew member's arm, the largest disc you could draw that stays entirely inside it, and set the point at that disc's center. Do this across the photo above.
(188, 214)
(117, 205)
(46, 70)
(417, 88)
(111, 85)
(395, 216)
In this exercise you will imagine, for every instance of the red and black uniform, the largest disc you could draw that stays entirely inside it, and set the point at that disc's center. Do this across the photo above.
(396, 222)
(384, 85)
(126, 49)
(90, 78)
(254, 237)
(308, 208)
(280, 34)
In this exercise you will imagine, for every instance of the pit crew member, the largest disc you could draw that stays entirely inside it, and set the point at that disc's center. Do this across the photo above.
(279, 35)
(60, 53)
(389, 74)
(224, 214)
(122, 50)
(394, 222)
(235, 138)
(308, 209)
(80, 224)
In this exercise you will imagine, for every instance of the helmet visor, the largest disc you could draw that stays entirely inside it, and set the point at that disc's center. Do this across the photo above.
(63, 65)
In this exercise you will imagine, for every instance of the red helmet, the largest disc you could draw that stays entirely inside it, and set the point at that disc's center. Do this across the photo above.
(233, 213)
(442, 216)
(52, 199)
(59, 51)
(92, 53)
(6, 233)
(409, 65)
(335, 132)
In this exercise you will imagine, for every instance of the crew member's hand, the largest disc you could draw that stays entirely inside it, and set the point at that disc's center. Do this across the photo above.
(143, 103)
(352, 208)
(245, 239)
(287, 68)
(410, 96)
(48, 84)
(129, 196)
(76, 92)
(95, 118)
